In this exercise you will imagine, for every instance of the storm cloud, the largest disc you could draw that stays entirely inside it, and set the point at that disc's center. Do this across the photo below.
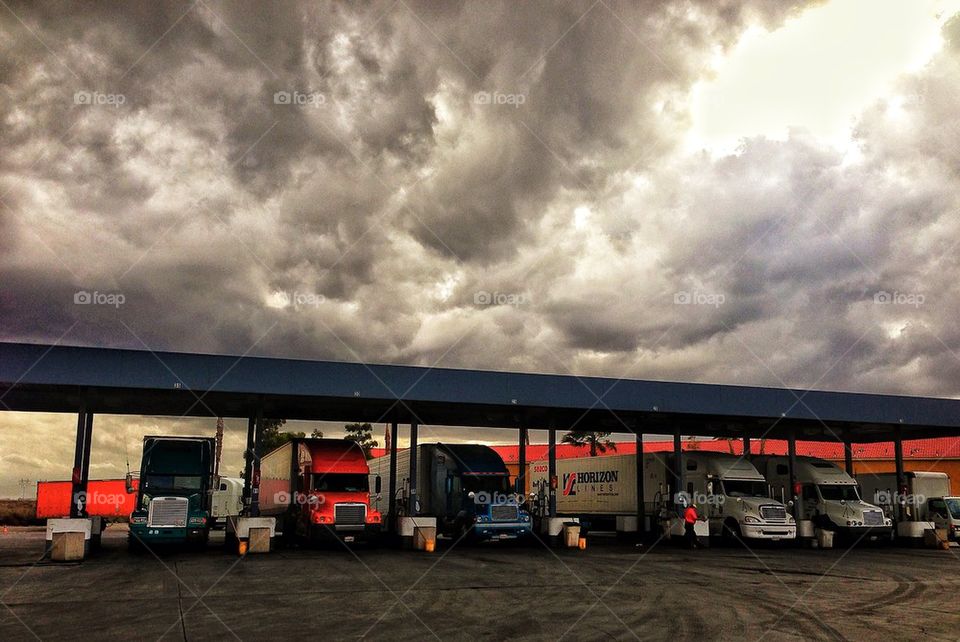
(491, 185)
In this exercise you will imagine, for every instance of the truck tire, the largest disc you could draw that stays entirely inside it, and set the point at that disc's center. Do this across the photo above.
(731, 533)
(134, 545)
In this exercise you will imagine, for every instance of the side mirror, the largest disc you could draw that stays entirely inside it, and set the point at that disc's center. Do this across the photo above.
(377, 485)
(129, 481)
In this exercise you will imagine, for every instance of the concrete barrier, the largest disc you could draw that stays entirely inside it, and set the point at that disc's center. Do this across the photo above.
(72, 538)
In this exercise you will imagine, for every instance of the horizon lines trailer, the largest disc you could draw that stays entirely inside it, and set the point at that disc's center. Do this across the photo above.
(727, 490)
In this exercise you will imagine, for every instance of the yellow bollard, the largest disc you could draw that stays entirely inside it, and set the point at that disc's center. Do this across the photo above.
(430, 545)
(583, 543)
(243, 548)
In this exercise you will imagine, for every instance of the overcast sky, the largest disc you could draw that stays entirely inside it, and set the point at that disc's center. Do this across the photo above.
(738, 192)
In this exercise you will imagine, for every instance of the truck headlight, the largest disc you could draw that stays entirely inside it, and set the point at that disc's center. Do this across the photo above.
(750, 519)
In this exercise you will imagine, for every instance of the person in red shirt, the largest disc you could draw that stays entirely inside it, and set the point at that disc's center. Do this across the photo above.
(689, 521)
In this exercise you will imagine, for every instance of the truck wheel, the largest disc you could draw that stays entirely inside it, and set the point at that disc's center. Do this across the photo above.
(134, 545)
(731, 533)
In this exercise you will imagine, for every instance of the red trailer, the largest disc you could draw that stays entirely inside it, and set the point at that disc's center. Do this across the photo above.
(107, 498)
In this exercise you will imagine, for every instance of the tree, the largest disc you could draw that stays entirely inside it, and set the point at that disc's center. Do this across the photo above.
(272, 438)
(597, 441)
(363, 435)
(317, 433)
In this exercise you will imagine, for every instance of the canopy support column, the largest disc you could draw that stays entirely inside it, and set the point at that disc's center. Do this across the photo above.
(522, 460)
(792, 465)
(412, 508)
(392, 482)
(552, 470)
(81, 463)
(641, 507)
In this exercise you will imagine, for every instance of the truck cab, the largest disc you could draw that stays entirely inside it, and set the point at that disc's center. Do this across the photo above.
(738, 503)
(466, 487)
(944, 512)
(828, 497)
(474, 495)
(173, 503)
(319, 489)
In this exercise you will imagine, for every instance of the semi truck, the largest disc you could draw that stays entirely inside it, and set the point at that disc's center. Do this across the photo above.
(319, 489)
(924, 502)
(727, 490)
(466, 487)
(174, 497)
(828, 498)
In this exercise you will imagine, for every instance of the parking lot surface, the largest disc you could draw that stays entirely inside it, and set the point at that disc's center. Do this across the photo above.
(608, 591)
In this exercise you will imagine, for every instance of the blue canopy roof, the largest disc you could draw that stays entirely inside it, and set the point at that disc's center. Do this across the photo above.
(64, 378)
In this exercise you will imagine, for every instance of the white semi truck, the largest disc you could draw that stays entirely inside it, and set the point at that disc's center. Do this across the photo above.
(924, 503)
(828, 498)
(726, 489)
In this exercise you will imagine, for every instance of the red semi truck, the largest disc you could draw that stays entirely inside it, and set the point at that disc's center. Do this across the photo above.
(319, 489)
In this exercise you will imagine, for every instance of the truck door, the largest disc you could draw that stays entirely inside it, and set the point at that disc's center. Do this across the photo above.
(714, 498)
(809, 501)
(938, 514)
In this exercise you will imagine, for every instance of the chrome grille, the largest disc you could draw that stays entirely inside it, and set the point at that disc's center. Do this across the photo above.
(503, 513)
(349, 514)
(168, 511)
(872, 518)
(773, 512)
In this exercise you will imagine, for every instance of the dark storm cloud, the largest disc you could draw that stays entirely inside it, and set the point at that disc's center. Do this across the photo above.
(497, 185)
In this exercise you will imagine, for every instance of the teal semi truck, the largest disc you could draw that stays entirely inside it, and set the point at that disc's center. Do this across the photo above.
(174, 497)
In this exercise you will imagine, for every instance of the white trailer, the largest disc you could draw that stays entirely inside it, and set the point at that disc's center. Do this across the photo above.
(829, 498)
(726, 489)
(924, 503)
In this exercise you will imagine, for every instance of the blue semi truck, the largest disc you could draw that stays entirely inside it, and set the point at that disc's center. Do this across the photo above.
(466, 487)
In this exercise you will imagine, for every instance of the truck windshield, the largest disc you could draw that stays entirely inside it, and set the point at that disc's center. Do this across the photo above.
(837, 492)
(486, 483)
(954, 507)
(744, 488)
(165, 483)
(340, 482)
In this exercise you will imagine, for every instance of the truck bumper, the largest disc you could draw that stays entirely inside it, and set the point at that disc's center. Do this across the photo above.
(154, 535)
(865, 532)
(490, 531)
(348, 534)
(772, 532)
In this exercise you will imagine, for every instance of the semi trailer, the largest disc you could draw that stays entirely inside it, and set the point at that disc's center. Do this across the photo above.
(174, 497)
(106, 498)
(827, 497)
(466, 487)
(319, 489)
(923, 502)
(727, 490)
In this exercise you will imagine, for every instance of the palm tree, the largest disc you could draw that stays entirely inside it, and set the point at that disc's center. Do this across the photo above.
(597, 441)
